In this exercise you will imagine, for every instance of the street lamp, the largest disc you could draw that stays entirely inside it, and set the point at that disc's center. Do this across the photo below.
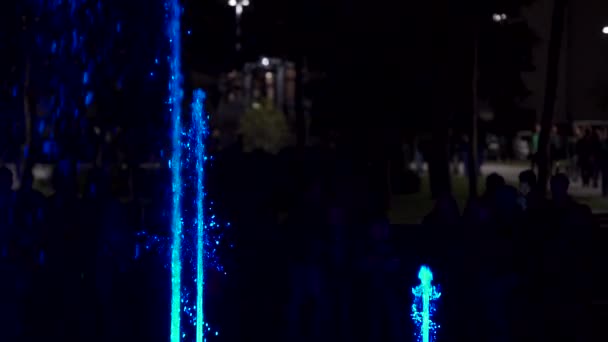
(239, 6)
(499, 17)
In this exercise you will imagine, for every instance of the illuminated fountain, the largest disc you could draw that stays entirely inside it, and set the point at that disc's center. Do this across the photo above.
(423, 307)
(189, 255)
(63, 32)
(200, 131)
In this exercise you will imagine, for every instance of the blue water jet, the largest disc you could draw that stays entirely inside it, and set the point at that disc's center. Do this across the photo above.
(423, 307)
(200, 132)
(174, 12)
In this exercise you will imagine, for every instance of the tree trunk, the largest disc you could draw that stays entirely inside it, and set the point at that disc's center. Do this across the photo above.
(299, 105)
(442, 96)
(569, 66)
(473, 141)
(439, 166)
(27, 118)
(438, 150)
(555, 41)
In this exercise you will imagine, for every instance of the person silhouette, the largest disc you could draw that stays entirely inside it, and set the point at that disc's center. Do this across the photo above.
(381, 265)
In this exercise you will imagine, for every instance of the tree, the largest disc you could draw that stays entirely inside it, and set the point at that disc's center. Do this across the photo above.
(264, 127)
(555, 41)
(501, 51)
(505, 52)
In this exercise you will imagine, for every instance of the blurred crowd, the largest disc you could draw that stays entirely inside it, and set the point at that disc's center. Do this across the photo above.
(590, 157)
(61, 255)
(315, 256)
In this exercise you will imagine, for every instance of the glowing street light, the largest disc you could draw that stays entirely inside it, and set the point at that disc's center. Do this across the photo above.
(239, 6)
(605, 30)
(499, 17)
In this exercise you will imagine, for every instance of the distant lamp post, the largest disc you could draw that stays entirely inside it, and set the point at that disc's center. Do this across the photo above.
(605, 30)
(239, 6)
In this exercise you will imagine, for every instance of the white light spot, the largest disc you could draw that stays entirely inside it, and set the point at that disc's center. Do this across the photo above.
(605, 30)
(265, 61)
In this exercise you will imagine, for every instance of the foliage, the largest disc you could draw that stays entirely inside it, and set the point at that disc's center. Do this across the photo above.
(505, 52)
(264, 127)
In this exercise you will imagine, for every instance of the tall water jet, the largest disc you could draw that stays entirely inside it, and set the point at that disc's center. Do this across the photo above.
(174, 12)
(200, 131)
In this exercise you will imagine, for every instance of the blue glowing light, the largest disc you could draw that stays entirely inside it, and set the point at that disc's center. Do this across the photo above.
(89, 98)
(74, 40)
(199, 125)
(423, 308)
(174, 10)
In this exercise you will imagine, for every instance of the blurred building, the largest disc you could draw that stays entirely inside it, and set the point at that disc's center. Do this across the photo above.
(272, 80)
(268, 80)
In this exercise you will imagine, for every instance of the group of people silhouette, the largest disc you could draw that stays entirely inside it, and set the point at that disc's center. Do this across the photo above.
(315, 257)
